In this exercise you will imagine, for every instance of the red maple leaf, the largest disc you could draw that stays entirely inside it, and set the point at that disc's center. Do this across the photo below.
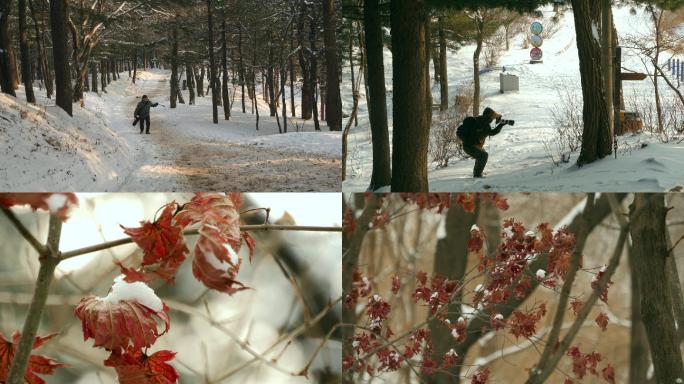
(216, 263)
(37, 363)
(135, 367)
(608, 374)
(163, 247)
(115, 326)
(602, 321)
(57, 204)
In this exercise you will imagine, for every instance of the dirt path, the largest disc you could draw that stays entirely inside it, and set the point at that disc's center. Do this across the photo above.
(181, 162)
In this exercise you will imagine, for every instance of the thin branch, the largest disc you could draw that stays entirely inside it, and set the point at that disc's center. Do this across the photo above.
(24, 232)
(190, 232)
(46, 273)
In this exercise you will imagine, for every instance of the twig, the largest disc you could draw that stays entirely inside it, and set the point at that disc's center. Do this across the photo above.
(48, 263)
(24, 232)
(252, 228)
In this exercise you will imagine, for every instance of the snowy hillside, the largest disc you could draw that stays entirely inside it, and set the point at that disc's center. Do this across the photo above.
(99, 150)
(519, 156)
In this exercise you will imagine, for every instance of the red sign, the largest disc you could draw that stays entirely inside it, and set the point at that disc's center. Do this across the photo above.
(536, 54)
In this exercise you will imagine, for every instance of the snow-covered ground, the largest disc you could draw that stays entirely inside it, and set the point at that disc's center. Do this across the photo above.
(99, 150)
(518, 157)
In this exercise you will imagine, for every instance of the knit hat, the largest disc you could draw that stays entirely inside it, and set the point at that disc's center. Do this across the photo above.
(489, 113)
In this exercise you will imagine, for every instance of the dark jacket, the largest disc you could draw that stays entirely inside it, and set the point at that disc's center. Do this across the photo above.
(143, 109)
(480, 130)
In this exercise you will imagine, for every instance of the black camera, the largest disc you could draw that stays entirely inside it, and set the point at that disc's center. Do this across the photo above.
(505, 122)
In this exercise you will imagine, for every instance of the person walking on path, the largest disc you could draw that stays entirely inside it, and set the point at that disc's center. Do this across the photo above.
(142, 114)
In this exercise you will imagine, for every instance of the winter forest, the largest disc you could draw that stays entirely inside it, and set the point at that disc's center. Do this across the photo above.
(592, 90)
(513, 288)
(244, 90)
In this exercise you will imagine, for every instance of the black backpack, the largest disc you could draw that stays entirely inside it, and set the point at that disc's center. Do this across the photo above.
(466, 130)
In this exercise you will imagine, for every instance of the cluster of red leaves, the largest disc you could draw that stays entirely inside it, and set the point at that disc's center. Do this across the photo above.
(125, 328)
(37, 364)
(216, 261)
(442, 201)
(436, 294)
(389, 357)
(58, 204)
(602, 321)
(480, 377)
(348, 222)
(163, 247)
(136, 367)
(525, 324)
(581, 362)
(595, 283)
(361, 287)
(508, 271)
(377, 310)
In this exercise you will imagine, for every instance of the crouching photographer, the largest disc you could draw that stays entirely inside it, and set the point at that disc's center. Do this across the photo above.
(473, 133)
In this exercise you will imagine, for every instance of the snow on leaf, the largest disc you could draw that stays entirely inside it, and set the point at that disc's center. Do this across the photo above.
(58, 204)
(37, 364)
(135, 367)
(127, 316)
(216, 264)
(602, 321)
(163, 247)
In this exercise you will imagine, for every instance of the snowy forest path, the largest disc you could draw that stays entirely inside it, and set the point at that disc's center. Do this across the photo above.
(172, 158)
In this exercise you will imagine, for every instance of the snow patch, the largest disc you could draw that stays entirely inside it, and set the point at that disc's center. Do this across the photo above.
(138, 291)
(56, 202)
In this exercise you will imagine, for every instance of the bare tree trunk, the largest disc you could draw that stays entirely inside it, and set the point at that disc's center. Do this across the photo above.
(26, 74)
(607, 56)
(596, 138)
(411, 113)
(649, 235)
(292, 73)
(377, 103)
(58, 17)
(313, 70)
(93, 77)
(333, 99)
(174, 64)
(43, 60)
(224, 65)
(476, 67)
(305, 64)
(191, 83)
(638, 345)
(7, 73)
(443, 79)
(212, 64)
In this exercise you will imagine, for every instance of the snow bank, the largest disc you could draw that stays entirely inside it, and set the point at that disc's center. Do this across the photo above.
(46, 149)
